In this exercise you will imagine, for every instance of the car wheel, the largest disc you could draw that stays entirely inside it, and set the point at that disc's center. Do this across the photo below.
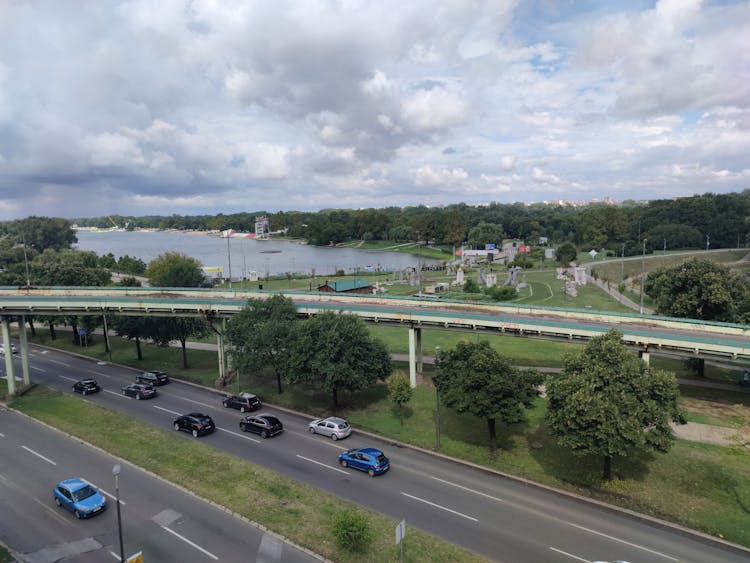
(83, 392)
(242, 409)
(243, 427)
(334, 437)
(57, 502)
(226, 405)
(176, 426)
(371, 473)
(264, 434)
(195, 433)
(312, 430)
(124, 393)
(344, 463)
(78, 514)
(137, 397)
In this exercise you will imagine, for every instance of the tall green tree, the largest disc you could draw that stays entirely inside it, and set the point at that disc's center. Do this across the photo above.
(68, 267)
(336, 352)
(566, 253)
(174, 269)
(700, 289)
(486, 233)
(41, 233)
(476, 379)
(260, 335)
(607, 402)
(167, 329)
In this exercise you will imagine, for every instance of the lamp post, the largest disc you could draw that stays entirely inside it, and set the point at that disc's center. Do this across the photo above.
(229, 259)
(622, 262)
(116, 473)
(643, 272)
(437, 400)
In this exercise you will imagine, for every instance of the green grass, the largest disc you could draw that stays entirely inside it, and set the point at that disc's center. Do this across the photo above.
(5, 556)
(287, 507)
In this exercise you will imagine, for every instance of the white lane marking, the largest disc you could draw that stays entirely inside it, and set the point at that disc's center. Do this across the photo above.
(323, 465)
(39, 369)
(468, 489)
(68, 378)
(61, 363)
(110, 495)
(2, 435)
(48, 460)
(199, 403)
(113, 554)
(239, 435)
(440, 507)
(98, 373)
(625, 542)
(167, 410)
(187, 541)
(570, 555)
(113, 393)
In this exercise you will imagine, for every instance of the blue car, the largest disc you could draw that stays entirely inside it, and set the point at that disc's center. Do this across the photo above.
(365, 459)
(79, 497)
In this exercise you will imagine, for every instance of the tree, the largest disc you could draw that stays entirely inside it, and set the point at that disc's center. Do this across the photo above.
(174, 269)
(486, 233)
(502, 292)
(471, 286)
(164, 330)
(68, 267)
(260, 334)
(607, 402)
(400, 392)
(42, 233)
(566, 253)
(700, 289)
(337, 352)
(476, 379)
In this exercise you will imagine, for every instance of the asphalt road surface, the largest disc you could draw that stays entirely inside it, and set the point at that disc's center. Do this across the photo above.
(502, 519)
(164, 522)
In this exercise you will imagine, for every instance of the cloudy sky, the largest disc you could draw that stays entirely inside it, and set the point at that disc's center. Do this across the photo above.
(188, 107)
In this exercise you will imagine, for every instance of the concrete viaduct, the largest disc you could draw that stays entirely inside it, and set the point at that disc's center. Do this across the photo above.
(645, 334)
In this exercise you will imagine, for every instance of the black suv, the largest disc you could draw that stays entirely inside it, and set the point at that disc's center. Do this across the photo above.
(86, 386)
(152, 377)
(264, 424)
(196, 423)
(243, 401)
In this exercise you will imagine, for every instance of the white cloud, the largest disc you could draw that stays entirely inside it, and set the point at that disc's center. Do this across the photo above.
(434, 109)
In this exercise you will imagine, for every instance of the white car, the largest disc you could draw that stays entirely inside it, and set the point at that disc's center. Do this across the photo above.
(334, 427)
(13, 349)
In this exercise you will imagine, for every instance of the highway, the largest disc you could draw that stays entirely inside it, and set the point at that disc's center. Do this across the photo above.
(502, 519)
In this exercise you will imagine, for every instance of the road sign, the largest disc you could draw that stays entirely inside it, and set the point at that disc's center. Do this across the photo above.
(400, 531)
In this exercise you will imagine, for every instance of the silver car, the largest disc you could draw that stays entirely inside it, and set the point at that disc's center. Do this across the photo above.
(334, 427)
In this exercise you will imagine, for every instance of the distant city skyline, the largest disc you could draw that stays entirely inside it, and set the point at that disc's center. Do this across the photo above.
(141, 108)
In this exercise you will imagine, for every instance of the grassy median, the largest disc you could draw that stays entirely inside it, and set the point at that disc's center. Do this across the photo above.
(285, 506)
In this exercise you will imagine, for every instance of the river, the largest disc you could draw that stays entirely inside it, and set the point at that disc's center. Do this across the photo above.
(274, 257)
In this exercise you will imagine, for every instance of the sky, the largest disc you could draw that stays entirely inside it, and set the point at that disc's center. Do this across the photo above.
(206, 107)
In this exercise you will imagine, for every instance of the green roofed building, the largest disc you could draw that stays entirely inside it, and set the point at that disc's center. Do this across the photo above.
(348, 286)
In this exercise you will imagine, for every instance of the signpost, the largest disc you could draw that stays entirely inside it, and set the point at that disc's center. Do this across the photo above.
(400, 534)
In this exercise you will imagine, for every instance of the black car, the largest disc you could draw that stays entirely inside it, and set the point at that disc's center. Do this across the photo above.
(243, 401)
(196, 423)
(264, 424)
(139, 391)
(86, 386)
(152, 377)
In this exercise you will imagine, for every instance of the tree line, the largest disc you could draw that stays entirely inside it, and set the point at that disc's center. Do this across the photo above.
(713, 220)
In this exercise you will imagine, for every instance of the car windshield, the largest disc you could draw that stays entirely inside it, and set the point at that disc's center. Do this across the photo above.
(272, 420)
(381, 458)
(84, 493)
(343, 425)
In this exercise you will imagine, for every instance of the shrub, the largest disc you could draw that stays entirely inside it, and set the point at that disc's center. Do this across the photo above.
(352, 531)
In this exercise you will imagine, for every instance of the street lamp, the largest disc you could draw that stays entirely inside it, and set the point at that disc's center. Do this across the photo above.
(116, 473)
(643, 272)
(229, 259)
(622, 262)
(437, 400)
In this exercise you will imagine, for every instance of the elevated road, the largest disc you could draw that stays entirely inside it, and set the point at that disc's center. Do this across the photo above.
(646, 333)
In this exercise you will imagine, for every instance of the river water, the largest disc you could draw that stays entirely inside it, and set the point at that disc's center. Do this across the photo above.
(274, 257)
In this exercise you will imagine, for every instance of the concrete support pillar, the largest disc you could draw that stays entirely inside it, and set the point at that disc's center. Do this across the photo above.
(10, 376)
(23, 347)
(412, 357)
(644, 355)
(419, 350)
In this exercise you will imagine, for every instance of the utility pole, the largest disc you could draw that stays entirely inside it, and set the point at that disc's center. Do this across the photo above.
(437, 401)
(229, 257)
(622, 262)
(707, 242)
(643, 272)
